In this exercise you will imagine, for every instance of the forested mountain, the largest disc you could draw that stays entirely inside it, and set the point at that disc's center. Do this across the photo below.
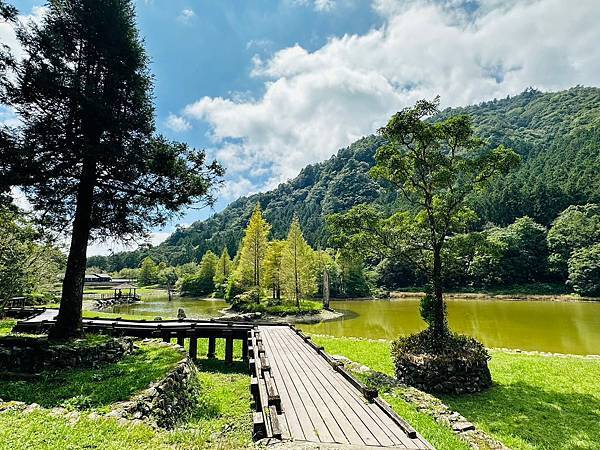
(558, 135)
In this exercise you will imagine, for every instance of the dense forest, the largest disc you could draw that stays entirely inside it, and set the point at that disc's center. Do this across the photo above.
(557, 135)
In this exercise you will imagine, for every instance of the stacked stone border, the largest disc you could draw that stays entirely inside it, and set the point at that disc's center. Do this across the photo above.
(427, 404)
(24, 355)
(163, 404)
(166, 402)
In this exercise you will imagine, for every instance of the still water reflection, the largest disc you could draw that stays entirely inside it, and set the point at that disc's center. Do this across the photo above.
(563, 327)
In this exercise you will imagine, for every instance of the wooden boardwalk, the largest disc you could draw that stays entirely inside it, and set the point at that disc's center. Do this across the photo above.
(317, 403)
(301, 393)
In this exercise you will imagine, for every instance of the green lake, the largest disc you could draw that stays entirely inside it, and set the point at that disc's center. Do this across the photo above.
(561, 327)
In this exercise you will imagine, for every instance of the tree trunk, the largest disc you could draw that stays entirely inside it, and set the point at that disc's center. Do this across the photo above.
(68, 322)
(325, 289)
(439, 319)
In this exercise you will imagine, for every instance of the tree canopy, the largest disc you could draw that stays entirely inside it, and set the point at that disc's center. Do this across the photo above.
(86, 154)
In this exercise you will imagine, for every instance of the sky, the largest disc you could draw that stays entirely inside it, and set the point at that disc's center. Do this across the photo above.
(267, 87)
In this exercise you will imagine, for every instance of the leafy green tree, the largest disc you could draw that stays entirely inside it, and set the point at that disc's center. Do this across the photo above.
(298, 265)
(584, 271)
(249, 271)
(27, 263)
(435, 166)
(148, 273)
(202, 283)
(274, 268)
(576, 227)
(353, 281)
(223, 269)
(86, 155)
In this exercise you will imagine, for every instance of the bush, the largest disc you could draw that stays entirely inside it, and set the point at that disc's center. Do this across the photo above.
(249, 297)
(246, 303)
(455, 364)
(584, 271)
(233, 289)
(197, 285)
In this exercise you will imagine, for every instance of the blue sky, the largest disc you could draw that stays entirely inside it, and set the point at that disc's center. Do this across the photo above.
(269, 86)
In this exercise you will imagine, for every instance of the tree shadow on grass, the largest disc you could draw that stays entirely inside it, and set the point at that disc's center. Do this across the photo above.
(521, 415)
(220, 366)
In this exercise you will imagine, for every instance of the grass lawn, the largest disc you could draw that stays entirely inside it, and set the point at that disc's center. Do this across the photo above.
(223, 418)
(94, 387)
(536, 402)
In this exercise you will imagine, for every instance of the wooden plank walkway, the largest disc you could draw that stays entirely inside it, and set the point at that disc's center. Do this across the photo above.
(318, 404)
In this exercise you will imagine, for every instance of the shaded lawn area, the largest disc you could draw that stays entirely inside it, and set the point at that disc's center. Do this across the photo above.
(222, 420)
(94, 387)
(537, 402)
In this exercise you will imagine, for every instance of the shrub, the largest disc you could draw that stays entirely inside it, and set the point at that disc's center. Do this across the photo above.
(248, 297)
(584, 271)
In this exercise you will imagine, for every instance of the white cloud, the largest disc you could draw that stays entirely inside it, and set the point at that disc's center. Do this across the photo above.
(177, 123)
(318, 5)
(109, 247)
(186, 15)
(316, 102)
(324, 5)
(7, 29)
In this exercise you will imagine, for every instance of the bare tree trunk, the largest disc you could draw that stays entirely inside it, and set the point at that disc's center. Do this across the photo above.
(325, 289)
(68, 322)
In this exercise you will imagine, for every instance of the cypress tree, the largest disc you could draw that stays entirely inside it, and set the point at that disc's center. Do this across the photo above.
(87, 156)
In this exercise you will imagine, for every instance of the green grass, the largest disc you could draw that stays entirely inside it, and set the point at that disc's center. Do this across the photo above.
(376, 355)
(222, 420)
(96, 387)
(537, 402)
(40, 430)
(6, 326)
(285, 309)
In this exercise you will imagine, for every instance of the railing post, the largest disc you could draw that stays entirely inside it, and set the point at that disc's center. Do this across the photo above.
(211, 347)
(228, 347)
(245, 349)
(180, 339)
(193, 347)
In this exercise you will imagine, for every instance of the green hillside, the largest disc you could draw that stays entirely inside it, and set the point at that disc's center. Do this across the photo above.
(558, 135)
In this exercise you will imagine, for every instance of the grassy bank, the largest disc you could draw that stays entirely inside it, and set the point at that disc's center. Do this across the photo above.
(222, 419)
(95, 387)
(284, 309)
(532, 291)
(537, 402)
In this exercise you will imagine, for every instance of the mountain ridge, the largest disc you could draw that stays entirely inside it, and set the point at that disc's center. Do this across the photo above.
(541, 126)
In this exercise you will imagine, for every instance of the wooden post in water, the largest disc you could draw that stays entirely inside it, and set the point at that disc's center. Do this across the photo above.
(211, 347)
(325, 289)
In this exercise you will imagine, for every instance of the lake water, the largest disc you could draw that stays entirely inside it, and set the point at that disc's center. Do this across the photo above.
(562, 327)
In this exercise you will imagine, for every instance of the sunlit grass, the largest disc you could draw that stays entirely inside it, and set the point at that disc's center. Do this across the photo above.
(537, 402)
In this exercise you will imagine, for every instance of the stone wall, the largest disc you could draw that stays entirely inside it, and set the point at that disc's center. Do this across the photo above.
(108, 302)
(167, 401)
(440, 374)
(27, 355)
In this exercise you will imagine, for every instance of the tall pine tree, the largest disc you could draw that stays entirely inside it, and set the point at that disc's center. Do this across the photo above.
(86, 155)
(249, 271)
(298, 265)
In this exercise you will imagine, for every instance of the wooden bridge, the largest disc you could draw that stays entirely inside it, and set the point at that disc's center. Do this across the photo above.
(300, 392)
